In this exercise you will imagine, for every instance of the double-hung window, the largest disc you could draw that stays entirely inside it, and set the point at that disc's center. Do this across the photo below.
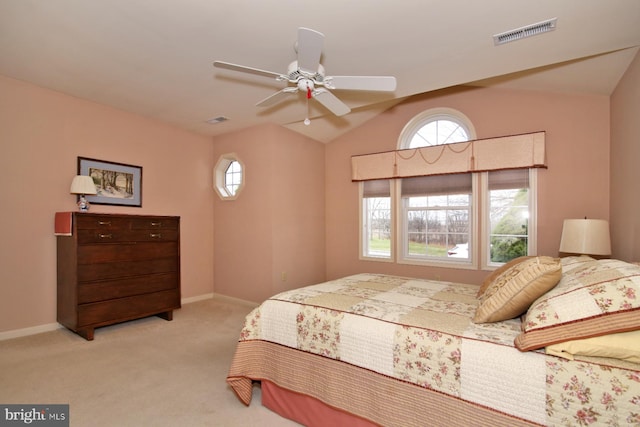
(510, 207)
(436, 214)
(376, 224)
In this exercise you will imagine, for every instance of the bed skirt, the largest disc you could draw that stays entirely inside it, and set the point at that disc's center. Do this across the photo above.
(346, 388)
(306, 410)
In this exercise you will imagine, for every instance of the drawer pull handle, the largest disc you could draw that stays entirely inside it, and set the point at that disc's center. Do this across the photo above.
(104, 222)
(105, 236)
(156, 224)
(155, 235)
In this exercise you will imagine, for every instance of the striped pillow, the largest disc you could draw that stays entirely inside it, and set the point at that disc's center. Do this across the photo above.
(513, 291)
(498, 272)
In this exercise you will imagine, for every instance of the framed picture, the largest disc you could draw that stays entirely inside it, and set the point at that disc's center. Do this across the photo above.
(117, 183)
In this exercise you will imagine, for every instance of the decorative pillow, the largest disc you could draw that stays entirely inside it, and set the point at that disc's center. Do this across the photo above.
(511, 293)
(624, 345)
(497, 272)
(598, 297)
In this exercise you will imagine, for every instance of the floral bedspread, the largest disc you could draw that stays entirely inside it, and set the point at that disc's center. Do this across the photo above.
(420, 331)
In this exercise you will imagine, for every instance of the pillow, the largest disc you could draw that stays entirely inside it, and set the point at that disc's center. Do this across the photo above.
(598, 297)
(497, 272)
(511, 293)
(624, 345)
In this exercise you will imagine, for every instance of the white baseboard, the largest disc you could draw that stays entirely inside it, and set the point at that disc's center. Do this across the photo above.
(235, 300)
(17, 333)
(219, 297)
(196, 298)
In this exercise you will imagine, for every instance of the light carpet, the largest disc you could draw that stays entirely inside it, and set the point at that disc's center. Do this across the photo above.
(139, 373)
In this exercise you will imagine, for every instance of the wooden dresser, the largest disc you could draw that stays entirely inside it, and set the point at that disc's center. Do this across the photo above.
(114, 268)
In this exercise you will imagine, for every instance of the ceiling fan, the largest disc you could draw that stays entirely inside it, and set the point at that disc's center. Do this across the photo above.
(307, 75)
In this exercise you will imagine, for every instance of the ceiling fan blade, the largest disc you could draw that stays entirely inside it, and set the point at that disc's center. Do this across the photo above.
(250, 70)
(377, 83)
(309, 49)
(331, 102)
(276, 97)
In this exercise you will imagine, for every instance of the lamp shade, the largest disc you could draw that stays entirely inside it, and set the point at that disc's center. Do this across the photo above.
(83, 184)
(586, 236)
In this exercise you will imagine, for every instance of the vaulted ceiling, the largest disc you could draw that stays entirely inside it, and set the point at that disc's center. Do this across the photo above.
(154, 57)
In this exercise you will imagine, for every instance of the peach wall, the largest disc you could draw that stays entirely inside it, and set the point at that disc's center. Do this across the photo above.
(576, 183)
(297, 188)
(625, 161)
(271, 238)
(42, 133)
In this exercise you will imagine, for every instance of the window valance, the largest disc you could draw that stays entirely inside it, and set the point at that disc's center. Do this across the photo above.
(480, 155)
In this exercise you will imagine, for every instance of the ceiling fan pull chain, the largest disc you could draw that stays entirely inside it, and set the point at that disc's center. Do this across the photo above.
(307, 122)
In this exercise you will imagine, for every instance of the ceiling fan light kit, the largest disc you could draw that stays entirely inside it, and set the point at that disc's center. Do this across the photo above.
(307, 75)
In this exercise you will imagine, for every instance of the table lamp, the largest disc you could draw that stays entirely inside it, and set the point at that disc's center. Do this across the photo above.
(82, 185)
(585, 237)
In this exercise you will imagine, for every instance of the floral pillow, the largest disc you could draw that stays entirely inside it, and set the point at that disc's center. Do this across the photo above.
(593, 298)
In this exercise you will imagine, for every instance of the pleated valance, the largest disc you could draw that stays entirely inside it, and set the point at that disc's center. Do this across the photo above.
(480, 155)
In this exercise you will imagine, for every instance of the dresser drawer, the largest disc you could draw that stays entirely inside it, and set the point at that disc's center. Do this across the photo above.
(127, 308)
(133, 251)
(116, 235)
(155, 223)
(117, 270)
(98, 222)
(120, 288)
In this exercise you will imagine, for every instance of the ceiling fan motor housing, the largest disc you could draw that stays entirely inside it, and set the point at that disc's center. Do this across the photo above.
(295, 73)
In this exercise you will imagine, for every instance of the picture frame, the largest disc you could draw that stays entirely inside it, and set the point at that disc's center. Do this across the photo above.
(117, 183)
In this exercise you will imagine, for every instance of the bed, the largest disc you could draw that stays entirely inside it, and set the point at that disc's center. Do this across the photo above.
(543, 341)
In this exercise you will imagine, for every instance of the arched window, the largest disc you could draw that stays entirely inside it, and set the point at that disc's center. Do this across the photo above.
(435, 127)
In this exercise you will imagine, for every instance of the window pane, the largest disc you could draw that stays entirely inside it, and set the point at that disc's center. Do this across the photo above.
(378, 227)
(416, 232)
(417, 202)
(233, 177)
(437, 221)
(436, 201)
(376, 211)
(438, 131)
(508, 215)
(436, 215)
(457, 221)
(417, 247)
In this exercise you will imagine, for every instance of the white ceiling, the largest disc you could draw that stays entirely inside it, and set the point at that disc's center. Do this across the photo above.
(154, 57)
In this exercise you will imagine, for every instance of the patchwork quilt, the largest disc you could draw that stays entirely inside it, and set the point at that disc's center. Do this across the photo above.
(420, 332)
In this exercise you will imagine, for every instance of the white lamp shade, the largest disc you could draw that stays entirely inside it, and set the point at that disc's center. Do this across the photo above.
(586, 236)
(83, 184)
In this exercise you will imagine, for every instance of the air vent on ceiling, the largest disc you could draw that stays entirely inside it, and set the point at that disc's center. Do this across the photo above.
(528, 31)
(216, 120)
